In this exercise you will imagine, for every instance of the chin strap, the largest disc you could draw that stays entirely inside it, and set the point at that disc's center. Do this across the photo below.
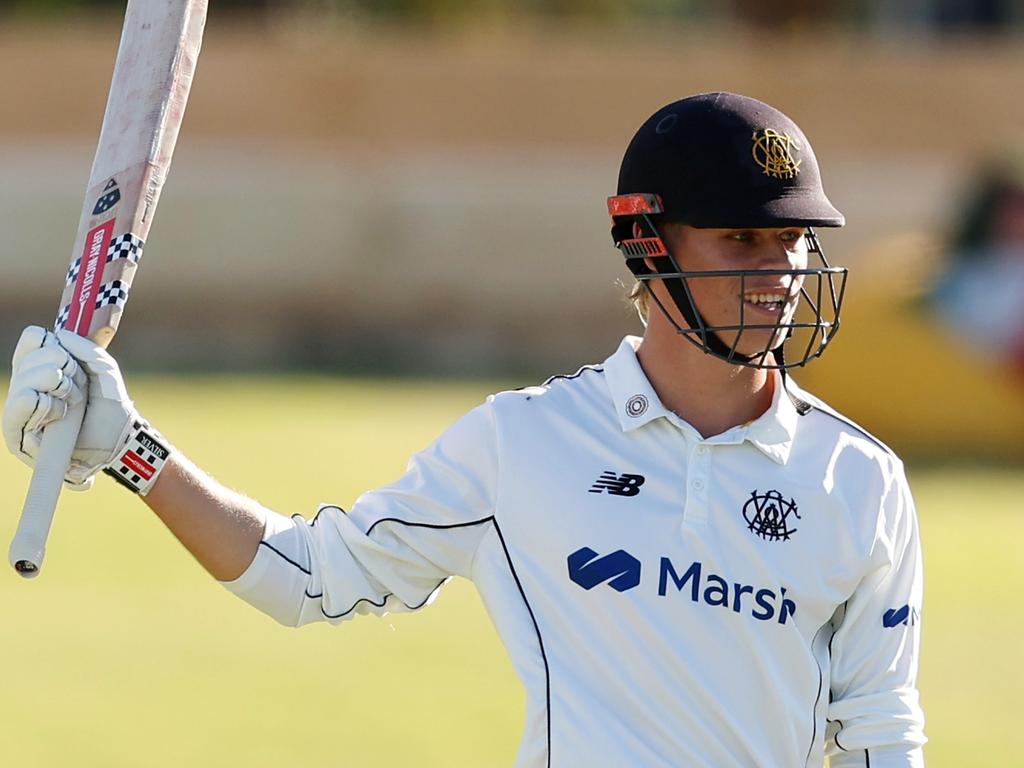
(679, 290)
(650, 246)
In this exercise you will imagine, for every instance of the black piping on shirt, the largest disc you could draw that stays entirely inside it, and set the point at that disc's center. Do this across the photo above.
(512, 570)
(540, 640)
(817, 697)
(855, 426)
(830, 640)
(571, 376)
(285, 557)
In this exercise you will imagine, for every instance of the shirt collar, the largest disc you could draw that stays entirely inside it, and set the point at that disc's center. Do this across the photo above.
(636, 404)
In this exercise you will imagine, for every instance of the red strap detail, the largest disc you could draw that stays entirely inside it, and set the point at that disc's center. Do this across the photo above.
(142, 468)
(634, 204)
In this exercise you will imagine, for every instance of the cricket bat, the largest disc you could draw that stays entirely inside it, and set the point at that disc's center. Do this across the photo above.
(153, 73)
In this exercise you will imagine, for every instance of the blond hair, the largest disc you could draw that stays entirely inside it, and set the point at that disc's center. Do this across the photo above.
(640, 297)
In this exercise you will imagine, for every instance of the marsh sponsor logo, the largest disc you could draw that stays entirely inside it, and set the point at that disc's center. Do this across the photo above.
(621, 571)
(761, 603)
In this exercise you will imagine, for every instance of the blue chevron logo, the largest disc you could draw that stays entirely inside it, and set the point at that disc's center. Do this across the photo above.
(907, 616)
(620, 569)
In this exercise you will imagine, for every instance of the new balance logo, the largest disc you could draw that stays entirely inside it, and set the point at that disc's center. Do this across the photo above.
(906, 616)
(620, 569)
(618, 485)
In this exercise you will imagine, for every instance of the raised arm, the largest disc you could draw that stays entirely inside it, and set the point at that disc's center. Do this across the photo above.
(221, 528)
(393, 551)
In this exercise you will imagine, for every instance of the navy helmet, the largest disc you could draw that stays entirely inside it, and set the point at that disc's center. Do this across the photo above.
(721, 160)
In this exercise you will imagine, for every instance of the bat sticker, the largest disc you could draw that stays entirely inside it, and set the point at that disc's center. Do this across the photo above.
(111, 197)
(126, 246)
(90, 272)
(113, 292)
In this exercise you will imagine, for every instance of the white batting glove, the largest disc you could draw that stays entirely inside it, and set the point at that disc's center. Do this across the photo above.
(49, 371)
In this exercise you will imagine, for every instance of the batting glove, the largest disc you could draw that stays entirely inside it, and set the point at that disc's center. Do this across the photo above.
(49, 371)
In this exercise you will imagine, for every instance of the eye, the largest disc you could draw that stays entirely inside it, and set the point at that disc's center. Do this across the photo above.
(743, 236)
(792, 235)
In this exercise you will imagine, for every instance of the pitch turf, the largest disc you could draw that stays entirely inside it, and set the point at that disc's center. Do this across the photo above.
(124, 653)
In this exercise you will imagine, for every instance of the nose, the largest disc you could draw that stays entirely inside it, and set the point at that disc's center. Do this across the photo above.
(780, 253)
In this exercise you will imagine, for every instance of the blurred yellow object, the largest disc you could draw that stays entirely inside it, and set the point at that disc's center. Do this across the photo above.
(901, 375)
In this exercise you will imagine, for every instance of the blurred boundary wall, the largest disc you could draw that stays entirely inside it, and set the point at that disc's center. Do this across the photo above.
(407, 202)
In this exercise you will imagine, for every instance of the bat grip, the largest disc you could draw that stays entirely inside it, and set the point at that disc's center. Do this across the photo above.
(58, 442)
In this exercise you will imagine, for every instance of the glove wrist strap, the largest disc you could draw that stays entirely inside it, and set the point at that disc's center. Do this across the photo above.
(140, 460)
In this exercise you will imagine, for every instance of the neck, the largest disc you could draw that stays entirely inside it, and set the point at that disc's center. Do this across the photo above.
(708, 393)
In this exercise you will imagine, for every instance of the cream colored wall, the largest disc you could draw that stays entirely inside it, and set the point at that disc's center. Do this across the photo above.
(403, 202)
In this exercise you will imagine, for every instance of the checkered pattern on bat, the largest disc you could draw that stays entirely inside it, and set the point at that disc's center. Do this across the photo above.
(113, 292)
(62, 317)
(126, 246)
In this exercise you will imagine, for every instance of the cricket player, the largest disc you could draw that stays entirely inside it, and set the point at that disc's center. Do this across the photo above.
(691, 561)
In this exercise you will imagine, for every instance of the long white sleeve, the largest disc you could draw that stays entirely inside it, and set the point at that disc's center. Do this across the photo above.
(397, 546)
(875, 715)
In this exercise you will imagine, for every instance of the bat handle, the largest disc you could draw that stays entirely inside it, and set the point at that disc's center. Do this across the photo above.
(58, 442)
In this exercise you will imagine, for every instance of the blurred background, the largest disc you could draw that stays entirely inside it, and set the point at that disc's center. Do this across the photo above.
(418, 186)
(415, 189)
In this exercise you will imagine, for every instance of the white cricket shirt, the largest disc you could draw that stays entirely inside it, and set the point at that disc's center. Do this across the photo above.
(750, 599)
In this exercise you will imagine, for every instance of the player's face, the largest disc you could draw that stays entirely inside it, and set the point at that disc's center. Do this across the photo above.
(756, 299)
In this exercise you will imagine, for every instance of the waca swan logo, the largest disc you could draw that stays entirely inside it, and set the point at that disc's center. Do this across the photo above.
(767, 515)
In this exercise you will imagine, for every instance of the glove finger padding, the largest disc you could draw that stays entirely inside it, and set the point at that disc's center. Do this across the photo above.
(44, 380)
(51, 371)
(46, 370)
(25, 415)
(32, 338)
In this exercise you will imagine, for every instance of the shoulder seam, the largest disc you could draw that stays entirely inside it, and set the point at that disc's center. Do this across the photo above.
(822, 408)
(817, 404)
(571, 376)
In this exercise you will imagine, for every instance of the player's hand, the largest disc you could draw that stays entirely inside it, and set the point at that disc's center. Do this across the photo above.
(49, 371)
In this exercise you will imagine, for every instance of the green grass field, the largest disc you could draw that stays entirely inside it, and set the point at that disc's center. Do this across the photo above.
(124, 653)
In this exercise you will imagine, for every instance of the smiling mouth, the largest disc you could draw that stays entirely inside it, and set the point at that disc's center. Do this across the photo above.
(769, 302)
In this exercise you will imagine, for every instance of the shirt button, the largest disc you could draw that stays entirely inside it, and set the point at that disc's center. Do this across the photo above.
(698, 485)
(701, 450)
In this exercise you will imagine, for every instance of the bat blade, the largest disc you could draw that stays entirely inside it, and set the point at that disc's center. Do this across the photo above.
(153, 73)
(152, 78)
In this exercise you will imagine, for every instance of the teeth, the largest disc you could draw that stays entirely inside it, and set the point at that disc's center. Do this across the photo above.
(765, 298)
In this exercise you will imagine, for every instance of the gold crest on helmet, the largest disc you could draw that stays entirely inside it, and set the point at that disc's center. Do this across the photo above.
(773, 152)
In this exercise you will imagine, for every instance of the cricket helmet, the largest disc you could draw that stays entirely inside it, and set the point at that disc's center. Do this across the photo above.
(720, 160)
